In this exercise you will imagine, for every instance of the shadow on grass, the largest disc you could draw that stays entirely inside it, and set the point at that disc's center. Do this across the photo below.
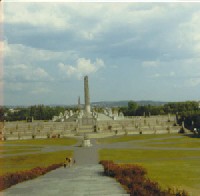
(192, 135)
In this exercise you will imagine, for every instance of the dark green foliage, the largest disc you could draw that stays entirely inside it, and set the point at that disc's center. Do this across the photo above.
(188, 111)
(38, 112)
(1, 114)
(42, 112)
(181, 107)
(132, 107)
(191, 119)
(145, 110)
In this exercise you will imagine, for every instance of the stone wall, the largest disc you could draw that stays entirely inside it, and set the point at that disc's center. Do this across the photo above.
(129, 125)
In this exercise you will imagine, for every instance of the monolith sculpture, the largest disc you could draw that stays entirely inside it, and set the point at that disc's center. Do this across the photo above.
(87, 96)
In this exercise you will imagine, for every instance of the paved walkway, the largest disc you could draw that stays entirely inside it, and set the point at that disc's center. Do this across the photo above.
(85, 178)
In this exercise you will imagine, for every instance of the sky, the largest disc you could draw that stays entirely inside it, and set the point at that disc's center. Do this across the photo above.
(130, 51)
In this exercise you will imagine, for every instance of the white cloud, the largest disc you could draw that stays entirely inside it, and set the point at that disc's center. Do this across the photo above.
(17, 51)
(164, 75)
(83, 67)
(22, 72)
(40, 90)
(15, 87)
(1, 46)
(87, 20)
(115, 15)
(189, 33)
(27, 88)
(157, 75)
(190, 67)
(1, 61)
(151, 64)
(192, 82)
(36, 14)
(41, 73)
(172, 74)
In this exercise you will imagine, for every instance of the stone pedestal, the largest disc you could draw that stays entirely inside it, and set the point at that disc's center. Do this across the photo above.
(86, 143)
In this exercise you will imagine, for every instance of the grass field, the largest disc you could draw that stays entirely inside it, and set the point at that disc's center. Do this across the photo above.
(128, 138)
(170, 167)
(183, 142)
(15, 162)
(19, 149)
(52, 141)
(25, 162)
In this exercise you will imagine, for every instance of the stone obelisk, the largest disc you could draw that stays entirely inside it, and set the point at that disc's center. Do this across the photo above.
(79, 103)
(87, 96)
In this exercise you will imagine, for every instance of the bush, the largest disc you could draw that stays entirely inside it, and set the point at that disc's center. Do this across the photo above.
(133, 179)
(8, 180)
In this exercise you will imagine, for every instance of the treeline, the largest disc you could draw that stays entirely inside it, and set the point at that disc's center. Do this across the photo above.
(188, 111)
(134, 109)
(37, 112)
(191, 119)
(1, 114)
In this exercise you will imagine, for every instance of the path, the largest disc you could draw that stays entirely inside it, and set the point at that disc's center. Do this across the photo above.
(85, 178)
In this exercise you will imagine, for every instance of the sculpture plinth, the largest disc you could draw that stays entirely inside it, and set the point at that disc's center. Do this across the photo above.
(86, 141)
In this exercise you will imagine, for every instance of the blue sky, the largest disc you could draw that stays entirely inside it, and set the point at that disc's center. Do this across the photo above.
(130, 51)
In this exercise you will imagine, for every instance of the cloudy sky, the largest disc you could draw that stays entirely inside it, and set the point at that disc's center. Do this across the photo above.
(130, 51)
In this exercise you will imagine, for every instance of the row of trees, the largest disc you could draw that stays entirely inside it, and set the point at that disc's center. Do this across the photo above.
(191, 119)
(134, 109)
(38, 112)
(1, 114)
(188, 111)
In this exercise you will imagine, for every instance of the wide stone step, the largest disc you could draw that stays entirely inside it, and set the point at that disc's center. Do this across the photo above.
(86, 128)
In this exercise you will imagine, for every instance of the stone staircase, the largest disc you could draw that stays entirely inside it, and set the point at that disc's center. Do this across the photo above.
(86, 129)
(84, 180)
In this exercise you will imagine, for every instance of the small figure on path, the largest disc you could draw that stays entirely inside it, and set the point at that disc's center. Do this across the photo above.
(68, 162)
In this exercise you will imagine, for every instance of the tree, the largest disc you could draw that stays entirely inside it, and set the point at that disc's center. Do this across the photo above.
(1, 114)
(132, 107)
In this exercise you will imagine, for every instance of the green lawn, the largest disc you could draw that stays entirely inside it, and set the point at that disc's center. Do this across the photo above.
(24, 162)
(183, 142)
(52, 141)
(178, 144)
(19, 149)
(171, 168)
(133, 138)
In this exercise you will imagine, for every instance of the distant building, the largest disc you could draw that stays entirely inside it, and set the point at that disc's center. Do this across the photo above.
(11, 110)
